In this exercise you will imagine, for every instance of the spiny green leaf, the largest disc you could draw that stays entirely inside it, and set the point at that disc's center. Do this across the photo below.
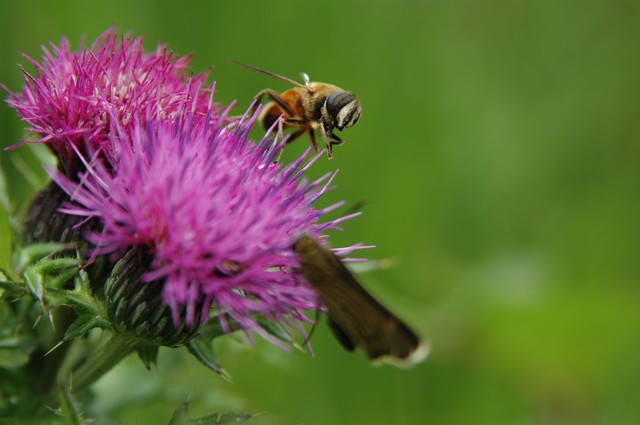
(35, 283)
(59, 280)
(69, 408)
(222, 419)
(81, 301)
(181, 417)
(83, 324)
(82, 281)
(49, 272)
(149, 355)
(202, 349)
(33, 253)
(52, 266)
(276, 330)
(14, 289)
(214, 329)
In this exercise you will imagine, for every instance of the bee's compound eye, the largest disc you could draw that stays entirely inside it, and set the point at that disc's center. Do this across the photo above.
(338, 100)
(344, 108)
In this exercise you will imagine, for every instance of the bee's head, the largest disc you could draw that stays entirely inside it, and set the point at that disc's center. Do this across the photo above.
(343, 109)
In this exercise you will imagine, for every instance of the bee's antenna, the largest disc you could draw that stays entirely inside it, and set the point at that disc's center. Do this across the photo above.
(272, 74)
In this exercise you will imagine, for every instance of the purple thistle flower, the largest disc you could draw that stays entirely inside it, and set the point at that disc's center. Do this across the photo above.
(66, 101)
(217, 214)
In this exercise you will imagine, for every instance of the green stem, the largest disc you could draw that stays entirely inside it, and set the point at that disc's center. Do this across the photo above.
(114, 349)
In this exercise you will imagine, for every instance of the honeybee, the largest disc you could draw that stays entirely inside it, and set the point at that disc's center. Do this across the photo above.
(356, 318)
(310, 106)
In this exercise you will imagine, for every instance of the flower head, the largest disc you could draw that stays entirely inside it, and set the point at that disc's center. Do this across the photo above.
(217, 214)
(66, 101)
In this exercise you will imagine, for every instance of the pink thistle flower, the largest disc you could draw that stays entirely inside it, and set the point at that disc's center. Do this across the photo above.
(216, 213)
(66, 101)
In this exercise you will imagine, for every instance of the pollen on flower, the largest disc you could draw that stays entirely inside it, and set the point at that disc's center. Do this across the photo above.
(215, 211)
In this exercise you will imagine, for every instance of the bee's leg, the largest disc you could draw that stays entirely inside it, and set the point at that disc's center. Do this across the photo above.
(335, 141)
(295, 122)
(294, 136)
(326, 141)
(312, 137)
(273, 95)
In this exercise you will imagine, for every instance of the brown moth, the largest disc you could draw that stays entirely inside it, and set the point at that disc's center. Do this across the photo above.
(356, 318)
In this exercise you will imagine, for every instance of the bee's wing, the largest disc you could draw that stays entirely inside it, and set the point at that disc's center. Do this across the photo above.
(271, 74)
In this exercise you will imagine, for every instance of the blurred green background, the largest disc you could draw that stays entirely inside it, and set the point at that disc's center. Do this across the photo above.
(498, 153)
